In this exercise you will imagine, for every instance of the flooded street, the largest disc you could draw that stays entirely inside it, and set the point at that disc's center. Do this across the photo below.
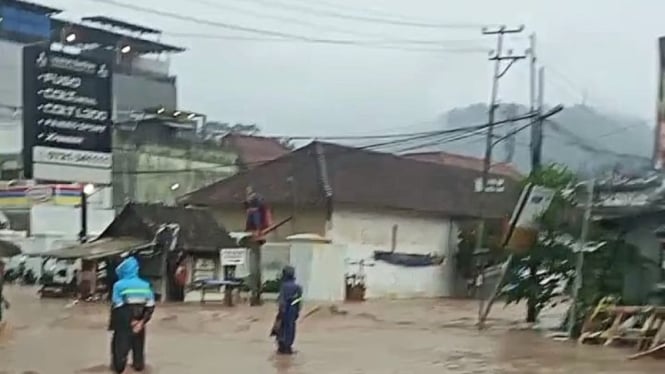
(437, 336)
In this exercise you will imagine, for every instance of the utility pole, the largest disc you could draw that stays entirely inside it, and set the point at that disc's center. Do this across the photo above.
(83, 234)
(579, 261)
(532, 99)
(537, 128)
(510, 137)
(536, 103)
(499, 72)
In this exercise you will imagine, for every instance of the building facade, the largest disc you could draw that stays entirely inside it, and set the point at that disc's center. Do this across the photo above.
(366, 203)
(141, 79)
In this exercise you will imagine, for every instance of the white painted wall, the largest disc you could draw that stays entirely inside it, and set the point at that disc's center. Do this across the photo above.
(11, 75)
(320, 270)
(11, 132)
(64, 222)
(365, 231)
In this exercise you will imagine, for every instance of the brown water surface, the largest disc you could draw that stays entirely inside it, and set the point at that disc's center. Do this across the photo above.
(418, 336)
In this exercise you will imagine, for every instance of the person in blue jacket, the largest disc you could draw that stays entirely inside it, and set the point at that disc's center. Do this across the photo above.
(133, 303)
(290, 300)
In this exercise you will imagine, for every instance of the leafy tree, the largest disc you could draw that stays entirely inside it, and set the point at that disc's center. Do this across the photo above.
(537, 275)
(603, 273)
(543, 275)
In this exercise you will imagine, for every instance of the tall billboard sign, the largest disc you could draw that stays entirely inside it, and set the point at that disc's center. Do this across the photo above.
(66, 116)
(659, 139)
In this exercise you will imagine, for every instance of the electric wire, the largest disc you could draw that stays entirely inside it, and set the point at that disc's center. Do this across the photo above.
(268, 32)
(379, 12)
(319, 26)
(466, 131)
(367, 19)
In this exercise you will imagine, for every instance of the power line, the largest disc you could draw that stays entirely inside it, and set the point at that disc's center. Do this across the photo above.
(376, 12)
(415, 136)
(368, 19)
(377, 45)
(443, 140)
(235, 27)
(586, 145)
(315, 25)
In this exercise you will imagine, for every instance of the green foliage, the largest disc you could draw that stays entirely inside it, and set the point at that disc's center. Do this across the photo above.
(603, 274)
(537, 275)
(543, 275)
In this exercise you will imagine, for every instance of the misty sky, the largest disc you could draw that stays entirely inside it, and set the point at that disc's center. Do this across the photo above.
(605, 51)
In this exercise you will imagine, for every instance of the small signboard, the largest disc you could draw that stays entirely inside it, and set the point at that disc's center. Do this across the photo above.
(522, 230)
(493, 185)
(233, 256)
(39, 193)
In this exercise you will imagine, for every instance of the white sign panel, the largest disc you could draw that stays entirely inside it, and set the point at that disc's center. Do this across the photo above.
(493, 185)
(538, 200)
(233, 256)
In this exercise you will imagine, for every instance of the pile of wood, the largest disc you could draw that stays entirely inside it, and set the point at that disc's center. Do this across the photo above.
(642, 327)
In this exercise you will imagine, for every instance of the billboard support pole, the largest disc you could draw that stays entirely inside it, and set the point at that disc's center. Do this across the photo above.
(83, 234)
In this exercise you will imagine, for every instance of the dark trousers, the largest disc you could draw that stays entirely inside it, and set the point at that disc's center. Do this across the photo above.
(286, 337)
(121, 344)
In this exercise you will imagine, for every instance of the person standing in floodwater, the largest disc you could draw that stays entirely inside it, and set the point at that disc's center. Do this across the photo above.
(3, 302)
(133, 303)
(290, 300)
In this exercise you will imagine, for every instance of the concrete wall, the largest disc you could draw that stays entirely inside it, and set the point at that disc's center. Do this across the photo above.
(11, 73)
(357, 233)
(64, 222)
(365, 231)
(137, 92)
(140, 172)
(11, 91)
(320, 270)
(157, 186)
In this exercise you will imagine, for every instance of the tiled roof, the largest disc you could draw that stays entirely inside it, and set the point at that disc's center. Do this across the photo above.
(468, 162)
(360, 177)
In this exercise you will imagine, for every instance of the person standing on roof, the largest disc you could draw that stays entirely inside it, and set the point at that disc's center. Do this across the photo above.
(258, 213)
(289, 300)
(133, 303)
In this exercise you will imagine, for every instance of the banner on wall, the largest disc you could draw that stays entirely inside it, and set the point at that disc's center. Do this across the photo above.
(24, 197)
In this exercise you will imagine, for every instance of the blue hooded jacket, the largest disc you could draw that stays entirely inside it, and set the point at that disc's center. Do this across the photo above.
(132, 297)
(130, 289)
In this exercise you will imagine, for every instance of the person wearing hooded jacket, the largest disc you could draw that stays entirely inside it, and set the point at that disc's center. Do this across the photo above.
(289, 300)
(133, 303)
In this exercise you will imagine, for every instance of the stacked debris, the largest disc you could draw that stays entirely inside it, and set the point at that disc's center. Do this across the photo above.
(642, 327)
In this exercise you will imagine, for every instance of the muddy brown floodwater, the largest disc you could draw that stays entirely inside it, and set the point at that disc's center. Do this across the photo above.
(418, 336)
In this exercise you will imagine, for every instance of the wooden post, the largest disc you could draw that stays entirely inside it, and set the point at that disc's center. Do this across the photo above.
(229, 274)
(255, 270)
(165, 276)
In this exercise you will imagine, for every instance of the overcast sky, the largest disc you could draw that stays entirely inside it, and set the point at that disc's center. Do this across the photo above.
(605, 51)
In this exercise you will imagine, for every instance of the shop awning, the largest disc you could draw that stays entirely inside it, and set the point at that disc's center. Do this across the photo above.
(100, 248)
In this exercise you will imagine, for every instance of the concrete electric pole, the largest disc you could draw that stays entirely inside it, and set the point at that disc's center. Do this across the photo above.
(499, 71)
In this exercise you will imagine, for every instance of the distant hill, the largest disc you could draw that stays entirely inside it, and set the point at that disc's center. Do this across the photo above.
(581, 137)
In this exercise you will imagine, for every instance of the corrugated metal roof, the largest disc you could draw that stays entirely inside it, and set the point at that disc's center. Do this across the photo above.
(96, 249)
